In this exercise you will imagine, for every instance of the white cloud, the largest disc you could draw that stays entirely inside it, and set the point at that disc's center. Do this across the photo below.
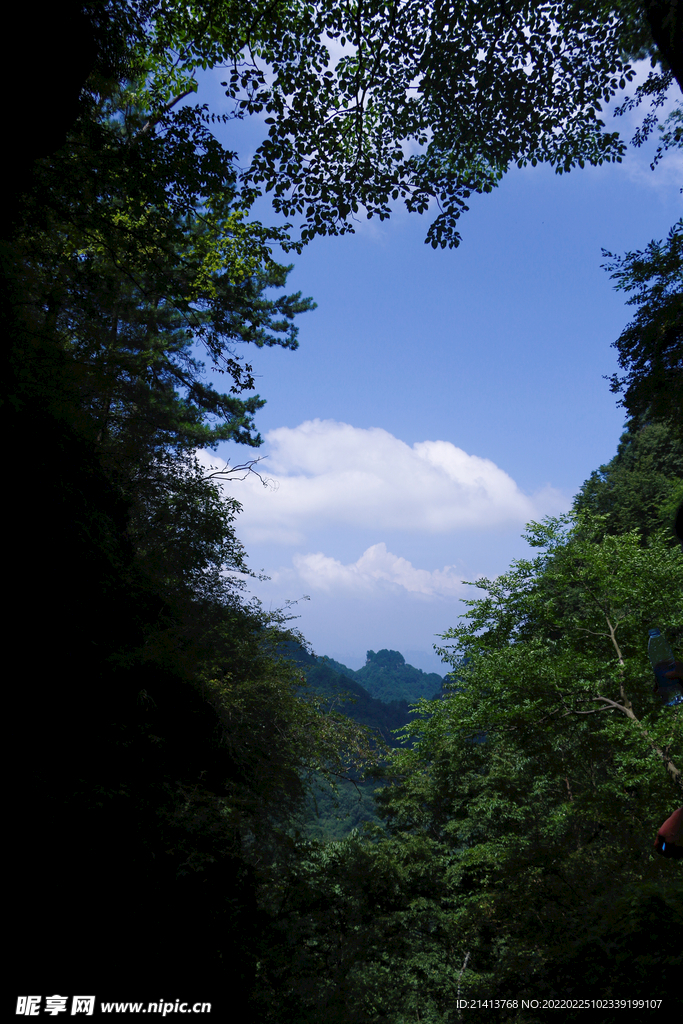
(328, 474)
(376, 569)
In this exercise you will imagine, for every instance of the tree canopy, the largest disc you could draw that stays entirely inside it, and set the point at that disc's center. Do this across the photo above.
(517, 859)
(642, 486)
(651, 347)
(371, 103)
(368, 103)
(550, 754)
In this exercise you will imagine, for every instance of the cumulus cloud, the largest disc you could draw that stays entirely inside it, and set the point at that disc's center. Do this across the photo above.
(328, 474)
(376, 569)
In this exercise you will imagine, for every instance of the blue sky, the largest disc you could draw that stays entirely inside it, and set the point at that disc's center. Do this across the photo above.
(439, 399)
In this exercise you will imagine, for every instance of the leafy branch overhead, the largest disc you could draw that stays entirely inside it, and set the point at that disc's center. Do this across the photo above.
(369, 103)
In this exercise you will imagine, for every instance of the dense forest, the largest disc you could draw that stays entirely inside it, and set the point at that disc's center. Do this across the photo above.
(173, 737)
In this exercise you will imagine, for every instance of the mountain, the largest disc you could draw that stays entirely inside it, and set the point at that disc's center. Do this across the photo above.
(387, 677)
(380, 693)
(345, 691)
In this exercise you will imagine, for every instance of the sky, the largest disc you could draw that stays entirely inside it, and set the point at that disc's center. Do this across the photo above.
(439, 399)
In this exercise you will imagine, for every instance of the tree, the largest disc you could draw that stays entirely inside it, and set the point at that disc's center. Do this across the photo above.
(537, 785)
(666, 25)
(642, 486)
(342, 944)
(370, 103)
(133, 248)
(169, 755)
(651, 347)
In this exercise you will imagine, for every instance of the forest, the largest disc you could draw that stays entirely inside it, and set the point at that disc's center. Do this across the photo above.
(173, 828)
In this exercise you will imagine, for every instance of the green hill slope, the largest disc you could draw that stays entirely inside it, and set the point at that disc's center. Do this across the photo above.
(386, 677)
(377, 696)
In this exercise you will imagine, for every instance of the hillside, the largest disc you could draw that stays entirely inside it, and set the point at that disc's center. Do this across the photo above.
(378, 695)
(333, 813)
(386, 676)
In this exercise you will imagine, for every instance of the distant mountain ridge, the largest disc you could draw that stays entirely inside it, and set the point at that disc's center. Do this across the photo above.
(387, 677)
(381, 692)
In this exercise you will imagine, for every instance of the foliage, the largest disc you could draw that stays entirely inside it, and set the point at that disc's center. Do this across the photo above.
(517, 856)
(642, 486)
(651, 347)
(334, 808)
(371, 103)
(166, 747)
(349, 942)
(382, 717)
(540, 781)
(332, 812)
(134, 249)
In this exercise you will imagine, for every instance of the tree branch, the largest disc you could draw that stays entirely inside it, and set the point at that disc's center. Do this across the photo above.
(666, 25)
(673, 771)
(612, 633)
(228, 473)
(164, 110)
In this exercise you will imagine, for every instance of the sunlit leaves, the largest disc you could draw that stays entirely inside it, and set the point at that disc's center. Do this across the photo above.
(540, 777)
